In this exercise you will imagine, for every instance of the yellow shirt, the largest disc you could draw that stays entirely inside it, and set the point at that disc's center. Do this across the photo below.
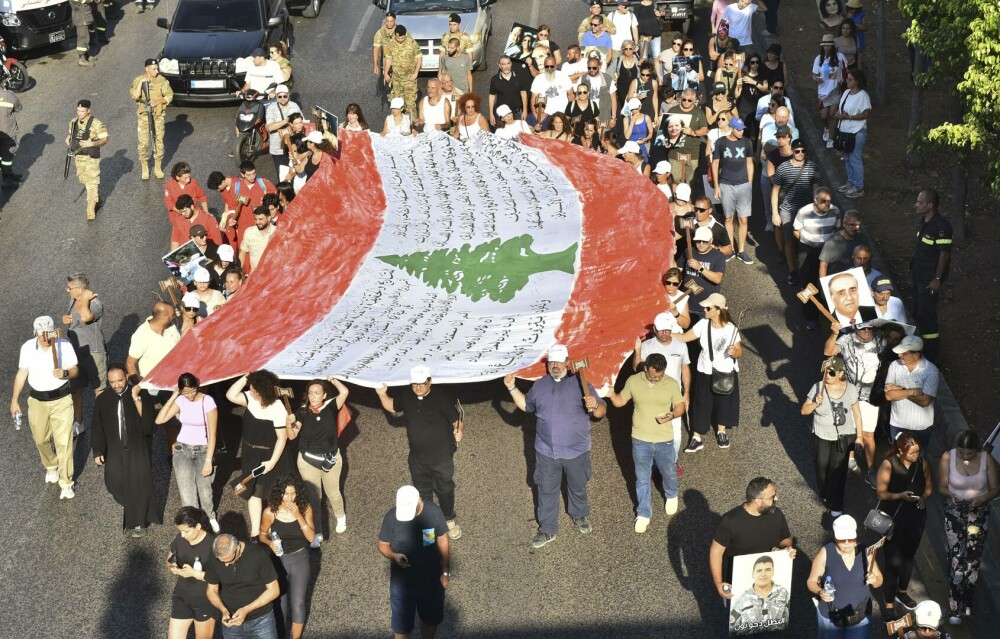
(149, 347)
(651, 401)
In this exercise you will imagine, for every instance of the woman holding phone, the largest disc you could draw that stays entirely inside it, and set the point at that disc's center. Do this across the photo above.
(189, 550)
(905, 478)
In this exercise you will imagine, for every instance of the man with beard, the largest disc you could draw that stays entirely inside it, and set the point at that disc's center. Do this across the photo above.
(185, 217)
(860, 350)
(574, 67)
(122, 444)
(255, 239)
(764, 605)
(457, 63)
(507, 88)
(554, 86)
(755, 526)
(602, 88)
(562, 441)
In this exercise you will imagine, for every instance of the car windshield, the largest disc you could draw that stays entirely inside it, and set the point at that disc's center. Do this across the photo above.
(411, 6)
(217, 15)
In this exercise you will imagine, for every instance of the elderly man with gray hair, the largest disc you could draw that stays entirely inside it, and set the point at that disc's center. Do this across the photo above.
(242, 584)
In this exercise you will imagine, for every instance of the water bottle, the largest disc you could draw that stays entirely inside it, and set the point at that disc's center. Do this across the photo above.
(197, 564)
(17, 421)
(828, 586)
(277, 542)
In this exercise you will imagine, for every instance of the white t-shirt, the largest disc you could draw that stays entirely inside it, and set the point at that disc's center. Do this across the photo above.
(831, 77)
(623, 27)
(722, 338)
(572, 68)
(665, 189)
(894, 311)
(512, 130)
(676, 353)
(39, 363)
(263, 76)
(433, 113)
(555, 91)
(740, 21)
(853, 104)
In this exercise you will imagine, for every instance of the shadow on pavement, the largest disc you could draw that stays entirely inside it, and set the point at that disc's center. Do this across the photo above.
(175, 131)
(131, 591)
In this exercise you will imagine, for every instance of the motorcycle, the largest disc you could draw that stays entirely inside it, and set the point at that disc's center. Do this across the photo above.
(13, 73)
(251, 125)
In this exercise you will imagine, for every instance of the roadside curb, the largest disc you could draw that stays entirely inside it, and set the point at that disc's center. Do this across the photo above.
(932, 556)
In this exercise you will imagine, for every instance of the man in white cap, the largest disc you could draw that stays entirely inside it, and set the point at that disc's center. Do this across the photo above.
(911, 385)
(678, 362)
(210, 297)
(433, 430)
(508, 128)
(276, 116)
(47, 364)
(413, 537)
(658, 403)
(254, 240)
(553, 85)
(926, 621)
(706, 266)
(562, 441)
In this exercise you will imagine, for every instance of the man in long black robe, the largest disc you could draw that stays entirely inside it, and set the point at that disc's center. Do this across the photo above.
(122, 443)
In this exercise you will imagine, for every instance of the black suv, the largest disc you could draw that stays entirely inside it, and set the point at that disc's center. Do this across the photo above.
(207, 51)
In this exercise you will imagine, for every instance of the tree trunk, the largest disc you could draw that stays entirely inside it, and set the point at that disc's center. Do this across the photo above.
(913, 159)
(880, 80)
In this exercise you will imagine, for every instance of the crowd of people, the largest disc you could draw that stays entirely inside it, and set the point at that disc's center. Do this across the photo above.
(701, 128)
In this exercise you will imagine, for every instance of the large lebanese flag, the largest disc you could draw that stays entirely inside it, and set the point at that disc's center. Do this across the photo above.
(472, 258)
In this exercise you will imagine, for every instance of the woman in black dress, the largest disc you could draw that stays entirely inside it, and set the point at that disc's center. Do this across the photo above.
(264, 437)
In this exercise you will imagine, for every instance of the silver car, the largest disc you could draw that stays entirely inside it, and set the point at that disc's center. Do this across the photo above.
(427, 20)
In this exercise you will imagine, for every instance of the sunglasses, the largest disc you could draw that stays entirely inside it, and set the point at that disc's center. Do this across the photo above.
(671, 283)
(594, 68)
(687, 49)
(847, 541)
(755, 62)
(687, 99)
(698, 208)
(583, 92)
(703, 241)
(831, 373)
(798, 151)
(827, 201)
(644, 75)
(550, 66)
(192, 309)
(678, 43)
(628, 48)
(595, 24)
(283, 95)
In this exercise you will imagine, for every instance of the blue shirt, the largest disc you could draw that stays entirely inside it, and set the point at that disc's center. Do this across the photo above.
(604, 41)
(563, 428)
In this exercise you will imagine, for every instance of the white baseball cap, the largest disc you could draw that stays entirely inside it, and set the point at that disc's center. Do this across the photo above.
(281, 88)
(503, 110)
(397, 103)
(202, 275)
(43, 323)
(419, 374)
(315, 137)
(703, 234)
(927, 614)
(630, 147)
(845, 527)
(683, 192)
(191, 300)
(407, 500)
(662, 167)
(558, 353)
(226, 253)
(634, 104)
(909, 344)
(666, 322)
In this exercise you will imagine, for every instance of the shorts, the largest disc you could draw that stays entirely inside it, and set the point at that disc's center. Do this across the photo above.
(787, 224)
(424, 597)
(737, 199)
(197, 609)
(831, 100)
(869, 416)
(93, 370)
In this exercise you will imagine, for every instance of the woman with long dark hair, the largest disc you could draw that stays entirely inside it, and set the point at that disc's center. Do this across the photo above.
(189, 552)
(354, 118)
(905, 479)
(264, 438)
(287, 527)
(828, 73)
(194, 468)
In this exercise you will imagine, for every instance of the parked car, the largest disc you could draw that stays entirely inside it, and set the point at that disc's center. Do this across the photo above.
(28, 24)
(427, 21)
(207, 51)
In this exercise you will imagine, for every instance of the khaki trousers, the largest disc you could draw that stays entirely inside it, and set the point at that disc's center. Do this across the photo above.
(317, 482)
(52, 424)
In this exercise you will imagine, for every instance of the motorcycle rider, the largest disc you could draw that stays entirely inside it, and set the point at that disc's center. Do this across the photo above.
(9, 105)
(160, 94)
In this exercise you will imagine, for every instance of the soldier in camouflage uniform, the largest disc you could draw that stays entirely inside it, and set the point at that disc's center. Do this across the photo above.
(385, 39)
(455, 31)
(85, 138)
(83, 19)
(403, 61)
(160, 94)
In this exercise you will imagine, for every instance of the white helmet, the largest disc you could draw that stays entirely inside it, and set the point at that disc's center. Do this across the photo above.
(927, 614)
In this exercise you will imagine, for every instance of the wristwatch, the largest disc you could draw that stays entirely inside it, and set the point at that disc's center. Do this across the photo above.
(446, 574)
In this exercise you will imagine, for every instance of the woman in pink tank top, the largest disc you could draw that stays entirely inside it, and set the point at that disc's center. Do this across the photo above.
(968, 479)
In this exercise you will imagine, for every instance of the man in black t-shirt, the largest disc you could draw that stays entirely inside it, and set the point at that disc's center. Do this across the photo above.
(707, 266)
(242, 583)
(414, 536)
(433, 428)
(753, 527)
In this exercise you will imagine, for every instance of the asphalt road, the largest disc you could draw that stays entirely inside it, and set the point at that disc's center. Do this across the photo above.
(66, 571)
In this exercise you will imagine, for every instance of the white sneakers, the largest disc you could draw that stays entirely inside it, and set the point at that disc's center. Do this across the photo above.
(67, 493)
(214, 524)
(341, 525)
(670, 507)
(52, 477)
(641, 524)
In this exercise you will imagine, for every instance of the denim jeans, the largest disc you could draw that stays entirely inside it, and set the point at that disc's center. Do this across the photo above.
(548, 478)
(188, 461)
(854, 161)
(262, 627)
(644, 455)
(827, 630)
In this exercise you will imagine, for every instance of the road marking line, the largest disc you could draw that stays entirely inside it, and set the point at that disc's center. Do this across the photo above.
(363, 27)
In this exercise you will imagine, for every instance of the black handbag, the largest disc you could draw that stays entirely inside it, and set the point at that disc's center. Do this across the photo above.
(844, 142)
(879, 521)
(323, 461)
(722, 382)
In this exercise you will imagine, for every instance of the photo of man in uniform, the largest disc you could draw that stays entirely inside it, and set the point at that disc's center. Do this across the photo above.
(764, 605)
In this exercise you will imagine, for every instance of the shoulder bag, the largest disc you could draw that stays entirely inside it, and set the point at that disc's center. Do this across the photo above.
(879, 521)
(722, 382)
(842, 141)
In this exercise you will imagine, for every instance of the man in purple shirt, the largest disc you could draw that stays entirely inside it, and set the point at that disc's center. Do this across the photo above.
(562, 441)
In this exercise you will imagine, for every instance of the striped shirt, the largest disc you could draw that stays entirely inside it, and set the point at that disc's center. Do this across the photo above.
(906, 414)
(814, 229)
